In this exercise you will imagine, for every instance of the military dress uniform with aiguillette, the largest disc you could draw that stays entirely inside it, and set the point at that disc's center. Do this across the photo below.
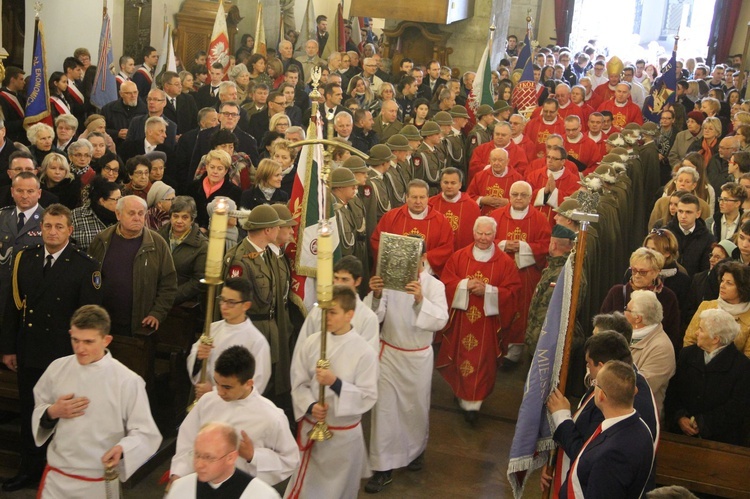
(352, 225)
(36, 322)
(244, 260)
(428, 163)
(14, 235)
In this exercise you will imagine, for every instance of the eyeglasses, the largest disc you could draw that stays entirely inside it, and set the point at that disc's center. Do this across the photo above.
(230, 115)
(113, 170)
(208, 459)
(282, 103)
(595, 384)
(81, 155)
(728, 200)
(114, 199)
(151, 99)
(228, 302)
(552, 158)
(641, 272)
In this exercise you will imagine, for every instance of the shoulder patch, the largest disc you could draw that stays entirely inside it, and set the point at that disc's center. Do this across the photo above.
(96, 279)
(367, 191)
(417, 161)
(474, 140)
(235, 271)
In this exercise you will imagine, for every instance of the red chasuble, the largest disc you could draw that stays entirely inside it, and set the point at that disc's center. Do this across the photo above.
(434, 230)
(461, 216)
(480, 158)
(586, 151)
(469, 352)
(534, 230)
(621, 116)
(538, 131)
(542, 163)
(566, 185)
(485, 183)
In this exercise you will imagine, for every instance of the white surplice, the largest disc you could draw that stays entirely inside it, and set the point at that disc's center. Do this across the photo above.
(118, 413)
(185, 488)
(276, 454)
(365, 322)
(336, 466)
(400, 418)
(227, 335)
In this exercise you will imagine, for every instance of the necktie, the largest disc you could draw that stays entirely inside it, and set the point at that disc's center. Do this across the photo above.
(48, 264)
(174, 103)
(214, 90)
(21, 221)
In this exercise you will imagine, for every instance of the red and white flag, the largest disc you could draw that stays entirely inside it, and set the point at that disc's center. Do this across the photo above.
(218, 49)
(260, 33)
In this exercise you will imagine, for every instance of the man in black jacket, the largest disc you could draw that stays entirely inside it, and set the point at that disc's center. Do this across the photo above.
(181, 108)
(229, 116)
(693, 237)
(119, 113)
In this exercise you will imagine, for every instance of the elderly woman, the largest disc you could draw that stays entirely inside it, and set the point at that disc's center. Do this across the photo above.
(241, 77)
(138, 169)
(686, 138)
(158, 160)
(189, 247)
(95, 216)
(55, 177)
(708, 396)
(159, 201)
(734, 297)
(215, 182)
(99, 143)
(709, 146)
(705, 285)
(242, 171)
(674, 275)
(727, 219)
(268, 188)
(279, 123)
(80, 153)
(652, 350)
(703, 188)
(65, 129)
(41, 138)
(645, 265)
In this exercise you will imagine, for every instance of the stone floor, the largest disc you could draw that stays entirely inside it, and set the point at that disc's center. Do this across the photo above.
(460, 461)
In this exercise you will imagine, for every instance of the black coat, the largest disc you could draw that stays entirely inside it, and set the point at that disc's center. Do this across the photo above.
(245, 143)
(228, 190)
(695, 249)
(203, 97)
(5, 153)
(119, 116)
(254, 197)
(186, 115)
(716, 394)
(68, 192)
(137, 130)
(717, 221)
(363, 142)
(259, 123)
(73, 281)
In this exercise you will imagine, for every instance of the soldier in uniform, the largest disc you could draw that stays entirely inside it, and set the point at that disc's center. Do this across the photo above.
(397, 175)
(20, 225)
(445, 149)
(415, 140)
(457, 140)
(376, 191)
(50, 282)
(480, 133)
(251, 260)
(428, 160)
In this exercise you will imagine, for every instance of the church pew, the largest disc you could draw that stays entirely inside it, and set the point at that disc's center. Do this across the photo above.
(703, 466)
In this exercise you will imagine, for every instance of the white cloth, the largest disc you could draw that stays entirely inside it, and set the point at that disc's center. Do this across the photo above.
(400, 418)
(185, 488)
(365, 322)
(276, 455)
(335, 466)
(227, 335)
(118, 414)
(461, 297)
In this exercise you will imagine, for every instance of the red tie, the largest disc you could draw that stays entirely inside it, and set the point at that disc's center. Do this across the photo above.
(574, 465)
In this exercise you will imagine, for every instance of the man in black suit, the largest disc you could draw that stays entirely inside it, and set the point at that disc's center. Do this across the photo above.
(6, 149)
(52, 280)
(228, 93)
(617, 459)
(155, 135)
(208, 95)
(321, 33)
(432, 80)
(74, 95)
(259, 123)
(333, 95)
(119, 113)
(207, 118)
(156, 102)
(180, 108)
(13, 103)
(229, 115)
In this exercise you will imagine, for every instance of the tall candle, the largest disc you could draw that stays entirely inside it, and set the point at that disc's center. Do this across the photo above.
(325, 264)
(216, 240)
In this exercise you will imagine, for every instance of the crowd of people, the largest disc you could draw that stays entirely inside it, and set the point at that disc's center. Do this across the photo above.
(105, 231)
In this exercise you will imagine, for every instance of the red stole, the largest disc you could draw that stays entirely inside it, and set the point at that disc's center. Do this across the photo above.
(621, 116)
(460, 215)
(586, 151)
(566, 185)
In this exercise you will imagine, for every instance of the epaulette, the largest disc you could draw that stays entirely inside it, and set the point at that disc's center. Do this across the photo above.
(10, 207)
(32, 247)
(85, 255)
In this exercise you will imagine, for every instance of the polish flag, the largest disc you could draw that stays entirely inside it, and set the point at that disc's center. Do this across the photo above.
(218, 49)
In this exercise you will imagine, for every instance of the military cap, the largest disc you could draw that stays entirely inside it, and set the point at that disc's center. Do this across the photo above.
(612, 158)
(620, 151)
(443, 118)
(632, 127)
(430, 128)
(607, 173)
(342, 177)
(411, 132)
(484, 110)
(355, 164)
(284, 215)
(262, 217)
(650, 129)
(379, 154)
(561, 232)
(500, 106)
(567, 207)
(616, 140)
(459, 112)
(398, 142)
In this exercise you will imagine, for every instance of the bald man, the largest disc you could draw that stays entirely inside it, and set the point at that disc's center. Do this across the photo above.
(386, 124)
(621, 106)
(119, 113)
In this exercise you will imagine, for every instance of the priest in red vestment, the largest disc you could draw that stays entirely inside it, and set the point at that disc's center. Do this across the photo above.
(482, 285)
(552, 185)
(582, 151)
(524, 233)
(457, 207)
(548, 123)
(541, 163)
(622, 108)
(416, 218)
(489, 188)
(519, 138)
(501, 137)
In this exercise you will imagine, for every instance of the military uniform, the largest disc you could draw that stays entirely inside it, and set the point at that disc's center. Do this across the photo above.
(427, 163)
(36, 322)
(396, 178)
(476, 137)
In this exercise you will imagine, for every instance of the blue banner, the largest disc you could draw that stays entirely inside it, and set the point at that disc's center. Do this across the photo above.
(667, 85)
(105, 85)
(37, 100)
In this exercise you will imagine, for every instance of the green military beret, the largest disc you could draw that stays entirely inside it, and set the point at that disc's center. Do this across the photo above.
(561, 232)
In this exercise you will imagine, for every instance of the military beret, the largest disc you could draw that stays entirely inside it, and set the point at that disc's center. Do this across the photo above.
(430, 128)
(561, 232)
(379, 154)
(355, 164)
(262, 217)
(342, 177)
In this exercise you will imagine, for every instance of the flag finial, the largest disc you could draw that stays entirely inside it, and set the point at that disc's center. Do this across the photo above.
(528, 16)
(38, 9)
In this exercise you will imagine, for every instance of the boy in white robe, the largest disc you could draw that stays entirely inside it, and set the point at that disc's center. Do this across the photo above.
(333, 468)
(400, 418)
(97, 411)
(234, 329)
(215, 451)
(346, 272)
(267, 447)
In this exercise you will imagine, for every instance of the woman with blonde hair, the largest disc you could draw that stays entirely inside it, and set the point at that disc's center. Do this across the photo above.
(709, 146)
(267, 190)
(688, 178)
(56, 178)
(214, 183)
(279, 123)
(674, 275)
(359, 89)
